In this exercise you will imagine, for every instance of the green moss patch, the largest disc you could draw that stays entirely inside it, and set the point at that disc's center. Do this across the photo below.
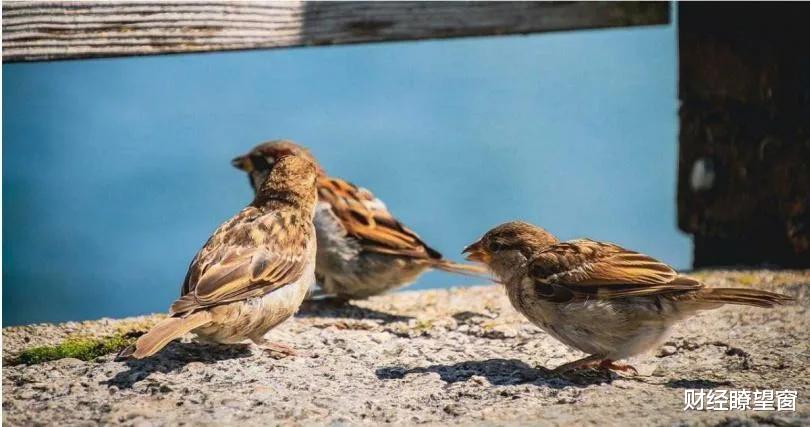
(82, 348)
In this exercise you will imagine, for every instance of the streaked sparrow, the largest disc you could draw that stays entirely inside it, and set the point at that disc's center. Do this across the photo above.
(363, 250)
(253, 272)
(597, 297)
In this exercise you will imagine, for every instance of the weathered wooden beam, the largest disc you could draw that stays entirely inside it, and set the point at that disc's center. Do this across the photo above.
(744, 174)
(35, 31)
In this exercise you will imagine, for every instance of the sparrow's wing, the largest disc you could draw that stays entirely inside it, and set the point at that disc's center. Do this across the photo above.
(367, 219)
(250, 255)
(582, 269)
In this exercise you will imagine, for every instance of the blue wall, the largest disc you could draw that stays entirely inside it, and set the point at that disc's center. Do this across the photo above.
(117, 170)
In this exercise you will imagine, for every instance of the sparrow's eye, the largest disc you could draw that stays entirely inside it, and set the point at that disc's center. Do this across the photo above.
(495, 246)
(261, 162)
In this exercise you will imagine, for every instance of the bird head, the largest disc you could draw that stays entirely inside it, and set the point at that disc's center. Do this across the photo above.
(259, 161)
(509, 246)
(292, 181)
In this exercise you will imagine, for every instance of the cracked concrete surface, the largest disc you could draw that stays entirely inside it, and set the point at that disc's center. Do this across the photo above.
(460, 356)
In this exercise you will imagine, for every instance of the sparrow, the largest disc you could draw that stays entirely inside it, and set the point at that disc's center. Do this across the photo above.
(597, 297)
(363, 250)
(253, 272)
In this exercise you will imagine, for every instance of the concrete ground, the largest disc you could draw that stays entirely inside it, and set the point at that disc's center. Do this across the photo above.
(460, 356)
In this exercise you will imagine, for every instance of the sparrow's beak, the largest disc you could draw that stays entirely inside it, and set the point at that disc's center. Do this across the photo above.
(243, 163)
(476, 252)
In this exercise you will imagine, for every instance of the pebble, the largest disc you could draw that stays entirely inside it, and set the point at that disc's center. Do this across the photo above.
(667, 350)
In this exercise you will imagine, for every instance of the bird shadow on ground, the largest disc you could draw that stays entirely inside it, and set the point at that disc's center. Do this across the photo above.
(334, 308)
(501, 372)
(174, 357)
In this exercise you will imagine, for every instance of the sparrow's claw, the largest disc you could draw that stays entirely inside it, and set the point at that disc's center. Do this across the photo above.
(277, 350)
(613, 366)
(587, 362)
(594, 362)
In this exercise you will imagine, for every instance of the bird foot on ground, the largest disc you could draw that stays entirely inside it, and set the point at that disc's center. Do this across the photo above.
(613, 366)
(586, 363)
(592, 363)
(278, 351)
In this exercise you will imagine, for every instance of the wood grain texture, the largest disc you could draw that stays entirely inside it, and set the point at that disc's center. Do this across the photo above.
(35, 31)
(744, 174)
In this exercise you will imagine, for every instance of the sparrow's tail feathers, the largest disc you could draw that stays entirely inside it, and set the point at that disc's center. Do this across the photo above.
(166, 331)
(474, 270)
(743, 296)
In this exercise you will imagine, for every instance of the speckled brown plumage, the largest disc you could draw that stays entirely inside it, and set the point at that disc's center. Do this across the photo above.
(254, 271)
(598, 297)
(363, 249)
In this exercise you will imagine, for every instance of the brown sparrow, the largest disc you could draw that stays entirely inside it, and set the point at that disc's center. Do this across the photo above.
(597, 297)
(254, 271)
(362, 249)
